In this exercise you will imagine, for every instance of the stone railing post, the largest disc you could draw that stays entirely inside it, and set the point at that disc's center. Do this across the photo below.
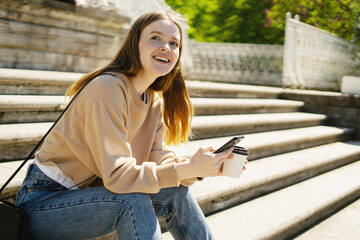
(291, 74)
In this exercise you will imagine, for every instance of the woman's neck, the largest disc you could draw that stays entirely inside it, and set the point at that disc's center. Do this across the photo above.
(141, 82)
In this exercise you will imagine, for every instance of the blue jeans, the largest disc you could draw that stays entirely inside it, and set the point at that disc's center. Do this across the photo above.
(93, 212)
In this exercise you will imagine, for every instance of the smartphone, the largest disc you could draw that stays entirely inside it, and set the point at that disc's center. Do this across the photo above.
(229, 144)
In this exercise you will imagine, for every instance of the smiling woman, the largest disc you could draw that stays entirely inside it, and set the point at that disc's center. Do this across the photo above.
(114, 130)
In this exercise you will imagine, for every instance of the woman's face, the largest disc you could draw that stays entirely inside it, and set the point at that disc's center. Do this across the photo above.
(159, 47)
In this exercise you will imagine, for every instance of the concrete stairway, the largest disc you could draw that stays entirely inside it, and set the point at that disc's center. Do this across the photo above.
(300, 171)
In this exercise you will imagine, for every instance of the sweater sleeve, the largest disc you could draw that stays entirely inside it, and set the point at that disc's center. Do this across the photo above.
(159, 152)
(162, 156)
(106, 134)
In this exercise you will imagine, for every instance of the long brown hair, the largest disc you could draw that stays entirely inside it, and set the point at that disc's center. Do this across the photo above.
(177, 109)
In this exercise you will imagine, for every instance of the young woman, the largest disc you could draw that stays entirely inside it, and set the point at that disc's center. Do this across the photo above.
(114, 130)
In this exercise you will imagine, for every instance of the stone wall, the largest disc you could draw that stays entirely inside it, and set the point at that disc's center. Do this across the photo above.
(53, 35)
(343, 110)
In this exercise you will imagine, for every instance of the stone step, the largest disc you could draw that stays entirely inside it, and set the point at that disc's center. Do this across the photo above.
(224, 125)
(20, 81)
(275, 142)
(42, 108)
(26, 82)
(6, 170)
(17, 140)
(224, 106)
(342, 225)
(272, 173)
(284, 213)
(30, 108)
(226, 90)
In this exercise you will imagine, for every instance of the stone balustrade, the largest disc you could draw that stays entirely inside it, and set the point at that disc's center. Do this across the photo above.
(258, 64)
(314, 58)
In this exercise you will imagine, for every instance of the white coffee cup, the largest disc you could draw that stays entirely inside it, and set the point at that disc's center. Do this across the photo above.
(233, 167)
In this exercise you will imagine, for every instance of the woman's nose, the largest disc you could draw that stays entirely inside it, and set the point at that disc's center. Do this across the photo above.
(165, 47)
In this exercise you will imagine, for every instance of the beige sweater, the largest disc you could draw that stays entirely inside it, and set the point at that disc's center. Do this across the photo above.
(110, 132)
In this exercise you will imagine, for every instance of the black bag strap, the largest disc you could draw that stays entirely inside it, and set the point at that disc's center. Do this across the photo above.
(46, 134)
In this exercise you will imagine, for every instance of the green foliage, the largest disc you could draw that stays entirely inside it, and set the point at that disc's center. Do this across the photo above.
(263, 21)
(335, 16)
(224, 20)
(242, 21)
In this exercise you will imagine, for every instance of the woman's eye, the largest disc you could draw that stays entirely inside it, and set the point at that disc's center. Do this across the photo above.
(175, 44)
(155, 38)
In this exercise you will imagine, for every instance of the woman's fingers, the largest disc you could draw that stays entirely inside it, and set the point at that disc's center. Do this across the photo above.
(205, 149)
(224, 154)
(220, 172)
(244, 167)
(206, 163)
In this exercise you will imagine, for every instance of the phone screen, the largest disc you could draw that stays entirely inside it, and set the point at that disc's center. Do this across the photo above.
(229, 144)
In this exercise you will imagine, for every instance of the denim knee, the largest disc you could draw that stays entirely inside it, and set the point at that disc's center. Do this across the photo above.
(142, 222)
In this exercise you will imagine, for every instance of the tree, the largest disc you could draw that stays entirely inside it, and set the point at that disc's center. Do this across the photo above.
(242, 21)
(335, 16)
(224, 21)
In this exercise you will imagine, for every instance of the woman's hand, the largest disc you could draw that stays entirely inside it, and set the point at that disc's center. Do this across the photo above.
(204, 163)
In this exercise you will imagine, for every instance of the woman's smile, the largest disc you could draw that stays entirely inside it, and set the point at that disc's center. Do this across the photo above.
(162, 59)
